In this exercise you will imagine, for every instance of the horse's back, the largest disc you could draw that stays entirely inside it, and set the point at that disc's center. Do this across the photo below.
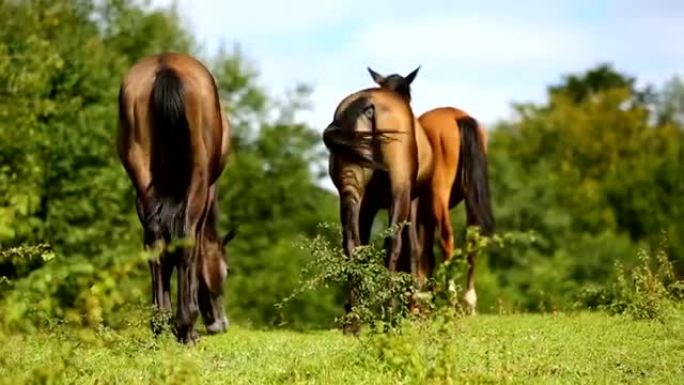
(441, 118)
(141, 75)
(445, 119)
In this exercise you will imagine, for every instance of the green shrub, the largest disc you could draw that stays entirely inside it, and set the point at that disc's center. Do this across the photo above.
(17, 262)
(75, 291)
(382, 296)
(648, 291)
(447, 290)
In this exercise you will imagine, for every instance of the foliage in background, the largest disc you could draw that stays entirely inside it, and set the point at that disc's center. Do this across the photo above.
(78, 292)
(17, 262)
(596, 171)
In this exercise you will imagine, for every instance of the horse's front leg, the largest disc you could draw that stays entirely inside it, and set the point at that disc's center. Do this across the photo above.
(399, 213)
(350, 207)
(414, 240)
(349, 215)
(212, 274)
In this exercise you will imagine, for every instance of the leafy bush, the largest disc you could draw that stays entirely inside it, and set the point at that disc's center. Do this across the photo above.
(76, 291)
(647, 292)
(446, 290)
(19, 261)
(382, 296)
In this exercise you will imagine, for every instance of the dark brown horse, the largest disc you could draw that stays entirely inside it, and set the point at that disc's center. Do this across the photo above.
(174, 143)
(379, 157)
(460, 172)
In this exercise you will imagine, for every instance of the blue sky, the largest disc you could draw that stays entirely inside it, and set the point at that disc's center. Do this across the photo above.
(477, 55)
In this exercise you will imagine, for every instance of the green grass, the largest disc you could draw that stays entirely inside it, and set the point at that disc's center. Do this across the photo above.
(581, 348)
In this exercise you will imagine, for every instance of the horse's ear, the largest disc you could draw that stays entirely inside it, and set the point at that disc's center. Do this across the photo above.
(379, 79)
(410, 77)
(229, 236)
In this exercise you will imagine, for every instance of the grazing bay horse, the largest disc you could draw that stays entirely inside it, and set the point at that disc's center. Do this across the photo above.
(174, 141)
(460, 172)
(378, 159)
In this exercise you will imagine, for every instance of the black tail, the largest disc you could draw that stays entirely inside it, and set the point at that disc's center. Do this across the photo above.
(171, 157)
(475, 176)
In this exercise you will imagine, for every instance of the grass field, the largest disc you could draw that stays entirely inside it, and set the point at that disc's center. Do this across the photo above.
(581, 348)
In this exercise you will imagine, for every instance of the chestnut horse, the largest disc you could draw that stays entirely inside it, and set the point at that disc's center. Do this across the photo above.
(379, 157)
(174, 143)
(460, 172)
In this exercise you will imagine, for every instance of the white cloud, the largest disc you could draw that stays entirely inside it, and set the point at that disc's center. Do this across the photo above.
(256, 21)
(471, 41)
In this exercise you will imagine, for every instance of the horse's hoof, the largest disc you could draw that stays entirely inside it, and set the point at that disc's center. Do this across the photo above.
(470, 299)
(191, 338)
(187, 336)
(218, 326)
(351, 328)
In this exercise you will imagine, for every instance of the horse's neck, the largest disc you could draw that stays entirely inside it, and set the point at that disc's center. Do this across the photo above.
(425, 155)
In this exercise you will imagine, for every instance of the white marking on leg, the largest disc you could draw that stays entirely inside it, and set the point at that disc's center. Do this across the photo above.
(470, 298)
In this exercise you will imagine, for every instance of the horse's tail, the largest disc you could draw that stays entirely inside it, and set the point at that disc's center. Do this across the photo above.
(171, 157)
(474, 173)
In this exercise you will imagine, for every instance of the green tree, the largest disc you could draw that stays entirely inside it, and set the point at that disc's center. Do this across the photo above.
(270, 191)
(592, 173)
(61, 63)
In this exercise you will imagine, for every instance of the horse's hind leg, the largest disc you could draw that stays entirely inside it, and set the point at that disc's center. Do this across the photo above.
(470, 296)
(159, 272)
(440, 208)
(167, 270)
(158, 321)
(188, 307)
